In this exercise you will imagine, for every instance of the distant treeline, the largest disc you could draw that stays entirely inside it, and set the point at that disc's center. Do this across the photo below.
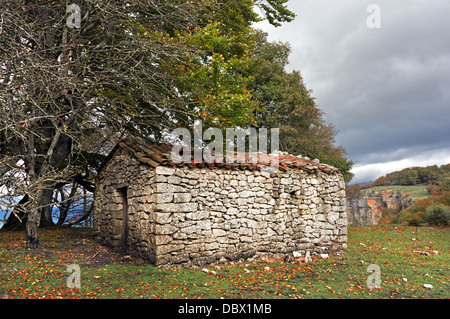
(435, 175)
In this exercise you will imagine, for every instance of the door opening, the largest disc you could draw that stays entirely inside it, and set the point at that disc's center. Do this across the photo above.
(124, 240)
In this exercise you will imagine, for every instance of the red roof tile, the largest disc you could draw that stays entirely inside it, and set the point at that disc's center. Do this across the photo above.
(157, 154)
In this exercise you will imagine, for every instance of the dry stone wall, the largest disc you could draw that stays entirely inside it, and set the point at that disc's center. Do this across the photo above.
(190, 216)
(125, 174)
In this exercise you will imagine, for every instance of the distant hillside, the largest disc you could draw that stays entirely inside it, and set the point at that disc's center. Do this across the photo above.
(417, 191)
(413, 195)
(434, 175)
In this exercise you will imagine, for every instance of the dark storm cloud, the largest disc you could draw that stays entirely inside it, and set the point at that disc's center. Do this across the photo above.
(386, 90)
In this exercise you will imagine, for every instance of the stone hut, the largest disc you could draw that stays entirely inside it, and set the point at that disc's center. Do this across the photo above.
(196, 214)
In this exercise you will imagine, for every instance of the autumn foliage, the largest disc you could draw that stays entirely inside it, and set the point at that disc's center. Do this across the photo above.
(433, 210)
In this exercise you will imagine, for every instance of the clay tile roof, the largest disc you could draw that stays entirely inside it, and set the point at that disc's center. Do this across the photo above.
(157, 154)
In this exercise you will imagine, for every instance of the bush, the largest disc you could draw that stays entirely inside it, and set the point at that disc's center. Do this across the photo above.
(414, 222)
(438, 215)
(405, 216)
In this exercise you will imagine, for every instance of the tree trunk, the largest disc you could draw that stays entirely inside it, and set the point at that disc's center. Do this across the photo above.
(33, 220)
(46, 207)
(32, 238)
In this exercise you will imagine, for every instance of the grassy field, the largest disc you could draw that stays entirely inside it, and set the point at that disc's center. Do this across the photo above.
(43, 274)
(417, 191)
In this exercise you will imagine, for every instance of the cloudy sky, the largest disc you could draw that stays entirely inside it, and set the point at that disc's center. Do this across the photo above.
(386, 89)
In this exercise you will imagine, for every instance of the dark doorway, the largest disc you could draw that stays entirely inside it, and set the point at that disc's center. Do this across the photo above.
(124, 238)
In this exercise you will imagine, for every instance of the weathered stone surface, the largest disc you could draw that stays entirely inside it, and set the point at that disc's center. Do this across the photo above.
(182, 197)
(163, 198)
(219, 232)
(177, 207)
(168, 188)
(333, 216)
(163, 170)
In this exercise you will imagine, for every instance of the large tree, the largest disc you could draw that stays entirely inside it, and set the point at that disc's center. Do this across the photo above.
(219, 78)
(67, 92)
(59, 84)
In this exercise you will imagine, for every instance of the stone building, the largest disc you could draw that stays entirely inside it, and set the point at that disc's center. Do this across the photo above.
(196, 214)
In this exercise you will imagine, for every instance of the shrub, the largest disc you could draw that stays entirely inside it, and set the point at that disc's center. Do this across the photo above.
(414, 222)
(403, 217)
(387, 216)
(438, 215)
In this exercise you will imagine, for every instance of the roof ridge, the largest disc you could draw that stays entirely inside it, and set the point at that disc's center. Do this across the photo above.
(156, 154)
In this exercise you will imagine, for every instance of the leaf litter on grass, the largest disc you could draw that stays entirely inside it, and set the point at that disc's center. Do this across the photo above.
(104, 274)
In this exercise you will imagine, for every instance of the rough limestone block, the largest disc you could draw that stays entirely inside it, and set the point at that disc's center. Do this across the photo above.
(163, 170)
(163, 218)
(177, 207)
(164, 249)
(332, 216)
(175, 180)
(182, 197)
(163, 198)
(168, 188)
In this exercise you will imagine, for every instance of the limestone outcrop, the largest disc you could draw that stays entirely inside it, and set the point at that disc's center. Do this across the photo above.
(366, 208)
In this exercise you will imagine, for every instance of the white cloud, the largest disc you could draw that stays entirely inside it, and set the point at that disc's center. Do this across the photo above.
(370, 172)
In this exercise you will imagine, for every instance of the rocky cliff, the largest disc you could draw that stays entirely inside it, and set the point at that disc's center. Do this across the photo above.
(366, 208)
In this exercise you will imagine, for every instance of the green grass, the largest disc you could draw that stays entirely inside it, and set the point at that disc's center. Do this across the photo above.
(42, 274)
(417, 191)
